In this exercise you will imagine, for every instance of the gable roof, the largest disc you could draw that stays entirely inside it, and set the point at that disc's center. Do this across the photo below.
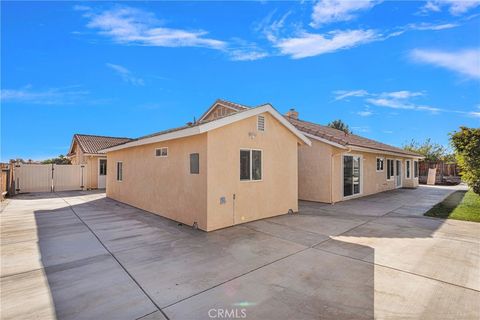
(92, 144)
(341, 139)
(228, 104)
(205, 126)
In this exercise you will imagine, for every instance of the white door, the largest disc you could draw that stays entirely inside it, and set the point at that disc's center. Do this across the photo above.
(102, 173)
(398, 171)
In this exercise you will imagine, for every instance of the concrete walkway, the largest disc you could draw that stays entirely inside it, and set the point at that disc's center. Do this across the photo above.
(79, 255)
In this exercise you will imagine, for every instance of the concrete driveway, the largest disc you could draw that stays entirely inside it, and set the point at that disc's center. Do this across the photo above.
(79, 255)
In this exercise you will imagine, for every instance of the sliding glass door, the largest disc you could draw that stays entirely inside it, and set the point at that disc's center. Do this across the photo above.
(351, 175)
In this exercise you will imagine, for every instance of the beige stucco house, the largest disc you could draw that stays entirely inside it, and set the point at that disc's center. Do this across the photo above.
(85, 149)
(339, 166)
(235, 164)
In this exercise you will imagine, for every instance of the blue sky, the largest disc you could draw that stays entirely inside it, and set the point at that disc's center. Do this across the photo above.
(393, 71)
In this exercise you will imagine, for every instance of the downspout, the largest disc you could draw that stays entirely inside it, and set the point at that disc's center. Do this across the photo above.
(349, 149)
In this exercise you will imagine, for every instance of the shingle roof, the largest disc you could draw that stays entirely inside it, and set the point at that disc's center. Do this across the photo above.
(92, 144)
(344, 139)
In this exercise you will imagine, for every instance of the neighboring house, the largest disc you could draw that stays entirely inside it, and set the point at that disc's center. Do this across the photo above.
(340, 166)
(85, 149)
(236, 164)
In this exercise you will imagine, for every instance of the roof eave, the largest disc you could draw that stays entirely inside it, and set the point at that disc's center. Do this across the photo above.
(382, 151)
(202, 128)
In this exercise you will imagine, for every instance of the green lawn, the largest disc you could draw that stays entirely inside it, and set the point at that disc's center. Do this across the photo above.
(460, 205)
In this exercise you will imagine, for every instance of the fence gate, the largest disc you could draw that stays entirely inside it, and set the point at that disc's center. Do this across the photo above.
(49, 177)
(68, 177)
(33, 177)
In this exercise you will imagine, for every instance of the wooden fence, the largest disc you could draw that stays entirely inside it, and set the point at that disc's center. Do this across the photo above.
(447, 173)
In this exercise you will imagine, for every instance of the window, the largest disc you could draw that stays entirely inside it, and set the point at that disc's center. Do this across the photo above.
(415, 169)
(250, 165)
(351, 175)
(261, 123)
(379, 164)
(102, 167)
(161, 152)
(407, 169)
(390, 169)
(194, 163)
(119, 171)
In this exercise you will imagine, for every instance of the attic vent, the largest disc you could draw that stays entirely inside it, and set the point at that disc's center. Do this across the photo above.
(261, 123)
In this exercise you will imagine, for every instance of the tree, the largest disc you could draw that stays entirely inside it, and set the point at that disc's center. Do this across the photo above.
(466, 143)
(61, 159)
(430, 150)
(340, 125)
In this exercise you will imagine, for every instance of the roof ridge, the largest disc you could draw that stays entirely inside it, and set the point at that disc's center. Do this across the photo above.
(98, 136)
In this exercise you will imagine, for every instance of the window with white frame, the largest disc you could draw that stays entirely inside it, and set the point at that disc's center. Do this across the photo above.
(415, 169)
(250, 165)
(260, 123)
(380, 164)
(390, 169)
(408, 169)
(161, 152)
(119, 171)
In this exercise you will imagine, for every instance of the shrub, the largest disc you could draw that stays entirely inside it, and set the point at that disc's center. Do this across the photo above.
(466, 143)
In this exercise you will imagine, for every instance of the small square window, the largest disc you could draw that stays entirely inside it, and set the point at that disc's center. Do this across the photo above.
(161, 152)
(194, 163)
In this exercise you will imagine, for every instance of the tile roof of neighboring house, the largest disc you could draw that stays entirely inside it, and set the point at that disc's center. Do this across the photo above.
(239, 107)
(229, 104)
(213, 123)
(92, 144)
(340, 137)
(191, 124)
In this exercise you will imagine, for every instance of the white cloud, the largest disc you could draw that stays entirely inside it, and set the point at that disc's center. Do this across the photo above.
(328, 11)
(342, 94)
(474, 114)
(131, 26)
(455, 7)
(246, 55)
(125, 74)
(362, 129)
(404, 94)
(365, 113)
(241, 50)
(396, 103)
(79, 7)
(429, 26)
(51, 96)
(309, 44)
(466, 62)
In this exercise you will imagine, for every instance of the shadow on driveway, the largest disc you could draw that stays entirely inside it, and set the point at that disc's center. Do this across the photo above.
(83, 256)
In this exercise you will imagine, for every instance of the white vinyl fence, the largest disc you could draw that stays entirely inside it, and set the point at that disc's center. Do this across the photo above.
(49, 177)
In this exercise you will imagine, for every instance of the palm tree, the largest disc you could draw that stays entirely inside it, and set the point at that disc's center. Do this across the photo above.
(339, 125)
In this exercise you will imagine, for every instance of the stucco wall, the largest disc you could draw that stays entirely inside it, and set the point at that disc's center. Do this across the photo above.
(319, 163)
(92, 169)
(163, 185)
(315, 172)
(373, 181)
(77, 157)
(274, 195)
